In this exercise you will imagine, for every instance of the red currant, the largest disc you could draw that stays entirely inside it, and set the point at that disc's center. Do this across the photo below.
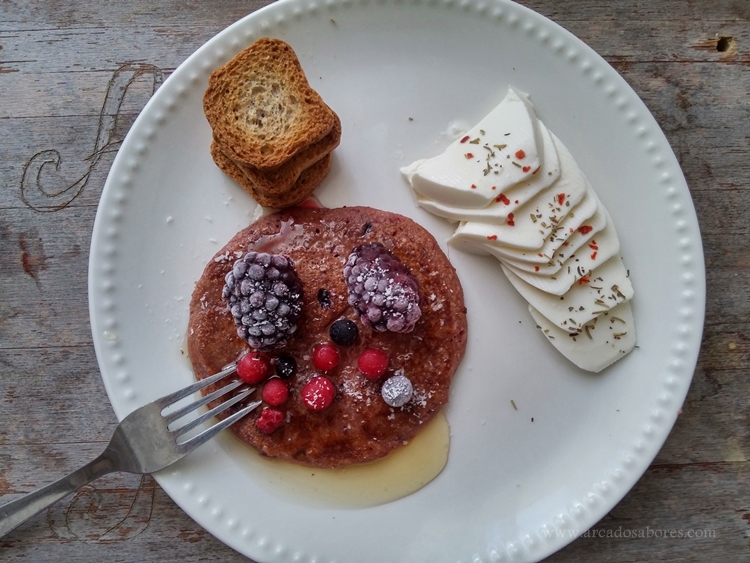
(373, 363)
(325, 357)
(270, 420)
(275, 392)
(318, 393)
(254, 368)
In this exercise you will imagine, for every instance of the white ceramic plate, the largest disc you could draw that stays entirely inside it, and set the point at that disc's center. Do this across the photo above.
(399, 74)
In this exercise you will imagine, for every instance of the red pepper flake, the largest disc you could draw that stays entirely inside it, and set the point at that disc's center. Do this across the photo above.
(511, 222)
(571, 229)
(536, 268)
(593, 241)
(469, 155)
(565, 243)
(503, 198)
(540, 255)
(516, 202)
(538, 168)
(492, 237)
(520, 154)
(473, 186)
(465, 139)
(526, 168)
(494, 187)
(585, 229)
(593, 255)
(593, 247)
(583, 280)
(560, 199)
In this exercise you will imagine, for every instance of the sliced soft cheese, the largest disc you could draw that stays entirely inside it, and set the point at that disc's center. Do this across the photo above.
(609, 286)
(537, 257)
(560, 244)
(533, 223)
(601, 342)
(509, 201)
(578, 265)
(465, 174)
(519, 196)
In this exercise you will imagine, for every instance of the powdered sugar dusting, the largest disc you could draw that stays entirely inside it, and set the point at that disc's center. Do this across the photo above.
(420, 397)
(221, 258)
(351, 388)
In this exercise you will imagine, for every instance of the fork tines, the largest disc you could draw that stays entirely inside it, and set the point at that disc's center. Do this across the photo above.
(209, 433)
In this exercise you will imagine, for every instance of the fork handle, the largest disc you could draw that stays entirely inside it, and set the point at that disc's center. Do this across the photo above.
(18, 511)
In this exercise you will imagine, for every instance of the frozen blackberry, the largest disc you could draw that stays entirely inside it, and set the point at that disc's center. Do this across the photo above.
(382, 289)
(264, 295)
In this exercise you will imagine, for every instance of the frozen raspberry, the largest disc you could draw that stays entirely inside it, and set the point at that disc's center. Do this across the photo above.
(254, 368)
(318, 393)
(344, 332)
(382, 289)
(275, 392)
(373, 363)
(269, 420)
(264, 295)
(325, 357)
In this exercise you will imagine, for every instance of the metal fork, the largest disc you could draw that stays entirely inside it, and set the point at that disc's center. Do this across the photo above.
(142, 443)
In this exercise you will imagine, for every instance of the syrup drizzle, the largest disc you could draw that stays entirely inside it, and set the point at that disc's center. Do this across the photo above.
(401, 473)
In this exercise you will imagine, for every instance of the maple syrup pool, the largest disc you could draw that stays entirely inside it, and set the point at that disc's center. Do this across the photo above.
(399, 474)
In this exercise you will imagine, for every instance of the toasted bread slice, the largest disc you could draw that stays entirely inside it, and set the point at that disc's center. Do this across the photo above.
(262, 109)
(280, 180)
(299, 192)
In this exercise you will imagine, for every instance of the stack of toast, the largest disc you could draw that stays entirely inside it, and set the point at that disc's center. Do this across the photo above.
(272, 133)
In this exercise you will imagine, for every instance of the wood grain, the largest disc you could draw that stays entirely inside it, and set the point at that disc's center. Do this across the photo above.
(73, 77)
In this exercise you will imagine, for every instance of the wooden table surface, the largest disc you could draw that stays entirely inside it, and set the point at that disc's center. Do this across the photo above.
(73, 77)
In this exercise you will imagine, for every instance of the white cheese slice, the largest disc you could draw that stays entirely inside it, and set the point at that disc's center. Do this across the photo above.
(609, 286)
(464, 175)
(537, 257)
(565, 243)
(537, 220)
(586, 208)
(601, 342)
(503, 203)
(579, 264)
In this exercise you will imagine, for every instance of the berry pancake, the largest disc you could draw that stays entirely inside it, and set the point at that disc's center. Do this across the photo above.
(358, 425)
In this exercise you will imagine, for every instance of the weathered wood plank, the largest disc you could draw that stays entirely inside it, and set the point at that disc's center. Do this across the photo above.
(59, 399)
(19, 14)
(79, 48)
(713, 425)
(711, 513)
(44, 285)
(122, 518)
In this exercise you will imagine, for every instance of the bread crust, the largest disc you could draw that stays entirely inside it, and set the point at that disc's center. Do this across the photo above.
(261, 107)
(308, 180)
(359, 426)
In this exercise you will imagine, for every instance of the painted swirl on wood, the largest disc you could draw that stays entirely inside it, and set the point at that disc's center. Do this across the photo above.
(104, 515)
(108, 138)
